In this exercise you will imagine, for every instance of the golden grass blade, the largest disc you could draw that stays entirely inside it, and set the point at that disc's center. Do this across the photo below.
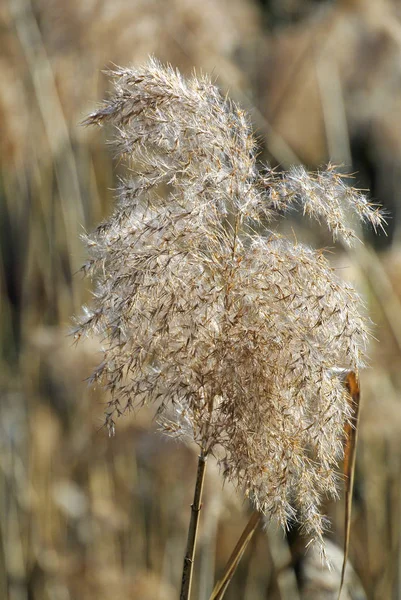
(351, 434)
(246, 536)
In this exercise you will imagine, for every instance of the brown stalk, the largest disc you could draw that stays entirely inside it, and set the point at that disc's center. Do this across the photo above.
(196, 506)
(351, 432)
(236, 555)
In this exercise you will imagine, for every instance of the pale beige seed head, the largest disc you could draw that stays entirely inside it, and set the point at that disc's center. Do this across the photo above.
(238, 337)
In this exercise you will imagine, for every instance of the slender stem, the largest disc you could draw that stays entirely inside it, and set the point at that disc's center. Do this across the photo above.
(351, 382)
(193, 529)
(236, 555)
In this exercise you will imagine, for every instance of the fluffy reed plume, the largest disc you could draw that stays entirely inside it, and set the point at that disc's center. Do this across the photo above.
(237, 337)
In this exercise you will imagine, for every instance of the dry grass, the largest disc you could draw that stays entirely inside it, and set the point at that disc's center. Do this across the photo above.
(83, 516)
(240, 336)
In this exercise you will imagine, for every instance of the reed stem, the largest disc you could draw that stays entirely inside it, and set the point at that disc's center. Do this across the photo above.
(193, 529)
(236, 555)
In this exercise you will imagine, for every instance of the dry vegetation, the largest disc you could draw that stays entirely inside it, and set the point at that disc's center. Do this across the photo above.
(242, 335)
(83, 516)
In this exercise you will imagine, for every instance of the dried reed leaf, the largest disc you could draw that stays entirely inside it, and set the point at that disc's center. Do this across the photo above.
(351, 382)
(236, 555)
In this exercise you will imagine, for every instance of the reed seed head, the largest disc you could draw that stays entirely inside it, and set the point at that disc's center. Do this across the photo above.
(237, 335)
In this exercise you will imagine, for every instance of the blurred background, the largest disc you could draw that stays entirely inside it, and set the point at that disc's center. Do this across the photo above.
(86, 517)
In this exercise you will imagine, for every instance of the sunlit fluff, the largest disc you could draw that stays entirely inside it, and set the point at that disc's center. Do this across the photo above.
(237, 335)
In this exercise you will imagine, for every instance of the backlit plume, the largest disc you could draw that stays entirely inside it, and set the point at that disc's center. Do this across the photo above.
(238, 336)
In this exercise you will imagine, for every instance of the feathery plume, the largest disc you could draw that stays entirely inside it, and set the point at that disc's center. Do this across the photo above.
(238, 336)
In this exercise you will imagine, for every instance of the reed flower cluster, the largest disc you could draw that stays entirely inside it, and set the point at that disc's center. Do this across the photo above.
(237, 335)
